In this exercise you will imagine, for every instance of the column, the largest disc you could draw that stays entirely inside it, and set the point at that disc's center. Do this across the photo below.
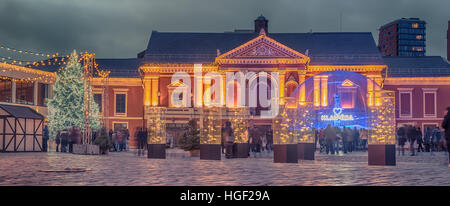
(324, 90)
(207, 93)
(281, 86)
(13, 91)
(147, 92)
(155, 87)
(198, 86)
(316, 91)
(35, 93)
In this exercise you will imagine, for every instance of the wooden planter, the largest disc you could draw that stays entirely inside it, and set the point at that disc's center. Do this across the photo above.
(194, 153)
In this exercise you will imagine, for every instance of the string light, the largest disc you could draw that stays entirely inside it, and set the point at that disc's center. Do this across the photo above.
(156, 125)
(212, 125)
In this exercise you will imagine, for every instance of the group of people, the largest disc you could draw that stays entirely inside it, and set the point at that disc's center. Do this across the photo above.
(334, 139)
(258, 141)
(66, 138)
(430, 141)
(119, 139)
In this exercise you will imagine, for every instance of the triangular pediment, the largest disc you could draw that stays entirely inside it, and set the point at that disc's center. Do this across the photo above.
(263, 47)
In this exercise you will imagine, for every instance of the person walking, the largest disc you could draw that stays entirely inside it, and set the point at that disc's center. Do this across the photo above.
(401, 134)
(222, 142)
(446, 126)
(58, 140)
(427, 139)
(120, 140)
(64, 140)
(269, 137)
(114, 141)
(45, 138)
(126, 140)
(411, 134)
(351, 140)
(253, 133)
(227, 132)
(345, 141)
(321, 140)
(356, 137)
(364, 137)
(419, 140)
(330, 138)
(337, 140)
(436, 139)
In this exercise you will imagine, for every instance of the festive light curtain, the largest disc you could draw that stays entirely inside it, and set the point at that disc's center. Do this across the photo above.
(211, 130)
(382, 119)
(156, 117)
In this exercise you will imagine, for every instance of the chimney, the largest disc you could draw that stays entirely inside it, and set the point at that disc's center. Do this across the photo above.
(261, 23)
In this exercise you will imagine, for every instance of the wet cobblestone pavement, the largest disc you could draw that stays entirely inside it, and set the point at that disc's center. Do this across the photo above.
(125, 168)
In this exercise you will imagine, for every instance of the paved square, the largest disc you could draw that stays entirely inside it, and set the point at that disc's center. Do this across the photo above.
(125, 168)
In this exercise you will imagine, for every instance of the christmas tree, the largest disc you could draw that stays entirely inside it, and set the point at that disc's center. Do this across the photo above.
(191, 138)
(66, 106)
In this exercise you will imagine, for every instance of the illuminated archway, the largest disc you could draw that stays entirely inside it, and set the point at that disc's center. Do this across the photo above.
(341, 99)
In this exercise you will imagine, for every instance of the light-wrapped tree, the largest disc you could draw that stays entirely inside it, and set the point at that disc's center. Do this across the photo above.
(66, 107)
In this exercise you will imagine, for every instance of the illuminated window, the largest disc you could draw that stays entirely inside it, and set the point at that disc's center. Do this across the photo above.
(419, 37)
(5, 90)
(415, 25)
(98, 99)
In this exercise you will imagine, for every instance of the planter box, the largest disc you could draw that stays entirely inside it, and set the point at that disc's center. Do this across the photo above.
(194, 153)
(240, 150)
(156, 151)
(86, 149)
(382, 154)
(210, 151)
(305, 151)
(285, 153)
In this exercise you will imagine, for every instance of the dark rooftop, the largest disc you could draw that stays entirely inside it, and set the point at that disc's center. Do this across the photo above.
(21, 111)
(328, 48)
(118, 67)
(425, 66)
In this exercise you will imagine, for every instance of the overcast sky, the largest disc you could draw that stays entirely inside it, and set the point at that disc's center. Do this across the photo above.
(122, 28)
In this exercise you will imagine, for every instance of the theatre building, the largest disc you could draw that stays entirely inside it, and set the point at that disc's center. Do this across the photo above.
(421, 84)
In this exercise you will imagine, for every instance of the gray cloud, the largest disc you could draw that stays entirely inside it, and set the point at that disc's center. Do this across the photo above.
(120, 29)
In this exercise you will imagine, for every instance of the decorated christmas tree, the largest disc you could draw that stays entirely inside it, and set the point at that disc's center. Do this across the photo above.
(66, 106)
(191, 139)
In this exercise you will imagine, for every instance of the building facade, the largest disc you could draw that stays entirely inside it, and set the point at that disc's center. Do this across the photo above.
(421, 84)
(403, 37)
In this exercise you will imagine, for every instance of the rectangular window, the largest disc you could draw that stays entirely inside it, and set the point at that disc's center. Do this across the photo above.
(98, 100)
(42, 94)
(5, 90)
(405, 98)
(429, 102)
(121, 103)
(24, 92)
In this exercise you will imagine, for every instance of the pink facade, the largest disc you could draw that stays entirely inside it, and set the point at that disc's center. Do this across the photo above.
(421, 102)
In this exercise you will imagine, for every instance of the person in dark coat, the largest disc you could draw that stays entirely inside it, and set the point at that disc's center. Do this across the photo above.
(227, 132)
(401, 133)
(411, 134)
(330, 139)
(58, 140)
(45, 139)
(446, 126)
(419, 140)
(64, 140)
(269, 137)
(74, 138)
(427, 139)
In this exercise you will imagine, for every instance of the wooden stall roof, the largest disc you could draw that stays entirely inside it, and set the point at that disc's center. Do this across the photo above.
(21, 111)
